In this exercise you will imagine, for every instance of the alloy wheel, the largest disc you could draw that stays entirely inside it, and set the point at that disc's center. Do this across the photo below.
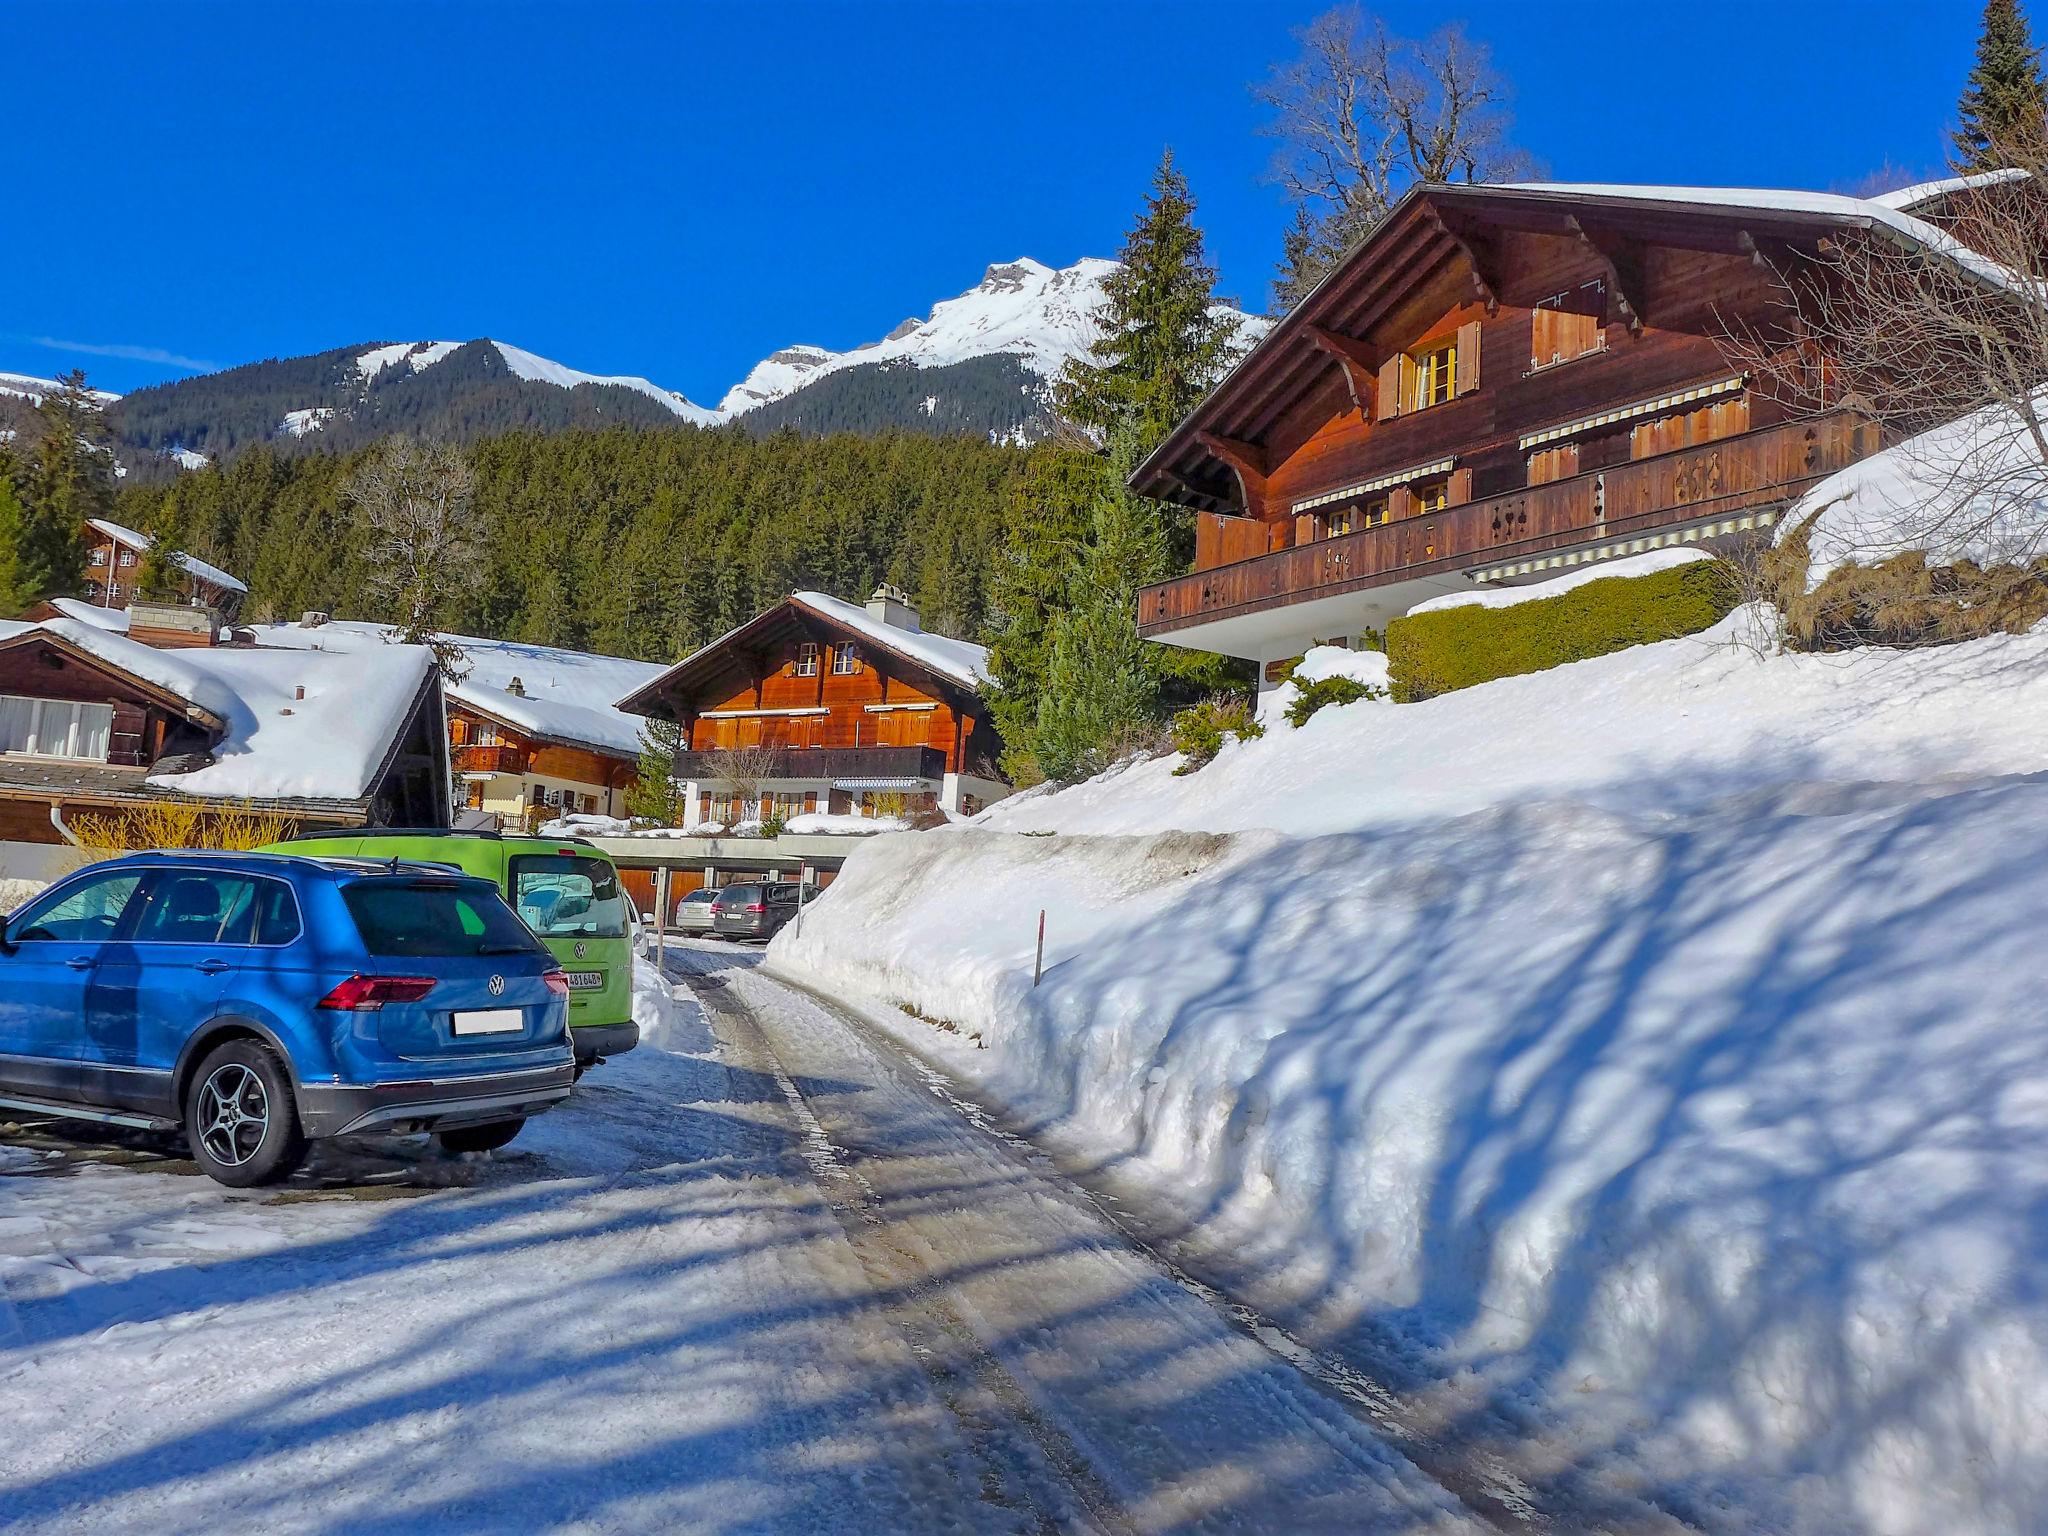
(234, 1114)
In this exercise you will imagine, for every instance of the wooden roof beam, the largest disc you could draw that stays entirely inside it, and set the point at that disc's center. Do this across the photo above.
(1479, 255)
(1624, 263)
(1360, 361)
(1247, 461)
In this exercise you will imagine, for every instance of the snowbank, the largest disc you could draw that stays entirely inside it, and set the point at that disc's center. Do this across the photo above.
(1976, 489)
(1646, 564)
(845, 824)
(1649, 1050)
(667, 1021)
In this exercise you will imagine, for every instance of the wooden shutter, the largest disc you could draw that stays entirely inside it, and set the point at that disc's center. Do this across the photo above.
(1387, 403)
(1553, 464)
(1543, 337)
(1468, 357)
(1459, 488)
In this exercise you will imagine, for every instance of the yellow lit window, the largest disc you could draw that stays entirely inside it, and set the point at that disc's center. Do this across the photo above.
(1374, 512)
(1433, 497)
(1340, 522)
(1436, 375)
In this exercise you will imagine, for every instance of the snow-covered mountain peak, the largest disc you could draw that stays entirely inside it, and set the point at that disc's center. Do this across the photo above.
(418, 356)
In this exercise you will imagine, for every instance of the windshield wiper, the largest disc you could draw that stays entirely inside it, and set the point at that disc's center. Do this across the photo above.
(504, 949)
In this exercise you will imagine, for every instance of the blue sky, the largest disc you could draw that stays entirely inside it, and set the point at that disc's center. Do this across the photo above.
(675, 190)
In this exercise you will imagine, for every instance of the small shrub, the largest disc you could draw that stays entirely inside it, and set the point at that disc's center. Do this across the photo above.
(226, 826)
(1198, 733)
(1436, 653)
(774, 826)
(1324, 692)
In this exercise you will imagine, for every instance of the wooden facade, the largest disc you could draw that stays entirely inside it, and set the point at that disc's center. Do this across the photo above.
(524, 778)
(113, 566)
(1497, 381)
(836, 716)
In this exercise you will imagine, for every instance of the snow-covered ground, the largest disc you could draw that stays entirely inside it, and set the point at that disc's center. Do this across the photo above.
(753, 1278)
(1647, 1051)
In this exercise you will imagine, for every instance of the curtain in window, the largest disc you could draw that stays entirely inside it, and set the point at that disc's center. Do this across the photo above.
(17, 723)
(95, 732)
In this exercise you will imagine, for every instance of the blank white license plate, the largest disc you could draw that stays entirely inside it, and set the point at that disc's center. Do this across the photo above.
(585, 981)
(490, 1021)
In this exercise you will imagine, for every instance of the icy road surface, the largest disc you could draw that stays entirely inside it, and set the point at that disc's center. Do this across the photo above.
(764, 1280)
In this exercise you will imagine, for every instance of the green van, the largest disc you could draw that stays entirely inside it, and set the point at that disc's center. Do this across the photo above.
(565, 889)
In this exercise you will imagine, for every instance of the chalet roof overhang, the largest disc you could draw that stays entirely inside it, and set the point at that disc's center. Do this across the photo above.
(156, 693)
(1433, 227)
(742, 655)
(49, 781)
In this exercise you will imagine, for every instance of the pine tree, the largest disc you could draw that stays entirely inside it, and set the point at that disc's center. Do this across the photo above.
(1161, 347)
(655, 795)
(70, 478)
(2004, 102)
(161, 577)
(17, 594)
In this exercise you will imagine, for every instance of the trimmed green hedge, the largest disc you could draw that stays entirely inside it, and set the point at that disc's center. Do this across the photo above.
(1434, 653)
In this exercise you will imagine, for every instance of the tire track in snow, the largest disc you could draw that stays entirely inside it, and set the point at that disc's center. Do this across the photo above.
(990, 1407)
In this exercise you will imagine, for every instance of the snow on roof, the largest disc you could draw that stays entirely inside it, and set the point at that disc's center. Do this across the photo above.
(1778, 200)
(1906, 199)
(1646, 564)
(328, 745)
(568, 694)
(1975, 489)
(115, 619)
(191, 563)
(964, 663)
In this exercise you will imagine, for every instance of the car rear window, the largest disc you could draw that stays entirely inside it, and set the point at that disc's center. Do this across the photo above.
(739, 895)
(568, 895)
(421, 919)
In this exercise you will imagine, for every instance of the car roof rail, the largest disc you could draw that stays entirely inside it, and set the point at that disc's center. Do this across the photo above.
(481, 833)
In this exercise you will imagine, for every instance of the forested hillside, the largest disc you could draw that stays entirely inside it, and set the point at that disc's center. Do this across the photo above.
(630, 541)
(996, 397)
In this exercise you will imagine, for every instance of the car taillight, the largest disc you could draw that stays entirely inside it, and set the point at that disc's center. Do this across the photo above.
(759, 906)
(558, 982)
(365, 993)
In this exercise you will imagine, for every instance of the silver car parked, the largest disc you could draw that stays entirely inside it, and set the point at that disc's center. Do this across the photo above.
(693, 912)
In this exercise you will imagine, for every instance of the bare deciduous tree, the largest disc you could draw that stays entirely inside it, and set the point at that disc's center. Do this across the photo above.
(1943, 344)
(1360, 115)
(426, 538)
(743, 770)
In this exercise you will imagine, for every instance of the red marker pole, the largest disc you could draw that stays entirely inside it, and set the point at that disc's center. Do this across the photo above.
(1038, 965)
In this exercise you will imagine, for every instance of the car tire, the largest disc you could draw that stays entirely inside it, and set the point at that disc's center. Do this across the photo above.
(479, 1138)
(241, 1117)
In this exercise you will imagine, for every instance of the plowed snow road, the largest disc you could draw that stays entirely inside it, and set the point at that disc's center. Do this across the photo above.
(768, 1279)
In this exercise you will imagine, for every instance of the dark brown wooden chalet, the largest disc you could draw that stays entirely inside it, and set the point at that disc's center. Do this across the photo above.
(1498, 384)
(93, 722)
(848, 709)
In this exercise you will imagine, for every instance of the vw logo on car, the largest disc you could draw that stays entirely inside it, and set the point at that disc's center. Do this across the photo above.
(496, 985)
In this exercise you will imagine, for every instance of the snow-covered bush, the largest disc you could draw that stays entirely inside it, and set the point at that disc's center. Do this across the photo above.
(1441, 647)
(1324, 692)
(1199, 732)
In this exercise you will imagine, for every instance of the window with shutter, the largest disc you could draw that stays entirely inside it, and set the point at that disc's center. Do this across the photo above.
(1436, 375)
(1568, 325)
(1688, 429)
(1466, 358)
(1553, 464)
(1388, 397)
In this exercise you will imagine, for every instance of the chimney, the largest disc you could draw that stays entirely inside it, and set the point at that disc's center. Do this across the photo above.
(892, 606)
(171, 626)
(516, 688)
(313, 619)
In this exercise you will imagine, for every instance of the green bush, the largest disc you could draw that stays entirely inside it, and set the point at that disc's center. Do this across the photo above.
(1199, 732)
(1435, 653)
(1324, 692)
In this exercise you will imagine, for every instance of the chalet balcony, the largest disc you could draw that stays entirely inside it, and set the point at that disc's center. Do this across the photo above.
(498, 759)
(1248, 605)
(825, 763)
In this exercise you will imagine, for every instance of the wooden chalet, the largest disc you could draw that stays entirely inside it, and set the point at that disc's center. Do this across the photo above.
(113, 564)
(525, 774)
(1498, 384)
(842, 708)
(94, 722)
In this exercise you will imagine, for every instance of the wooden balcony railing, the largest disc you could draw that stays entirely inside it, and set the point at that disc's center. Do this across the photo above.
(1756, 469)
(498, 759)
(824, 763)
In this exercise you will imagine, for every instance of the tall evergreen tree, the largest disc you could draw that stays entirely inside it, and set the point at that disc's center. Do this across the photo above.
(160, 577)
(2004, 102)
(17, 593)
(70, 478)
(1161, 346)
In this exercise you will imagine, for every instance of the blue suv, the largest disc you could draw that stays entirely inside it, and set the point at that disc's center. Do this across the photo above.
(258, 1000)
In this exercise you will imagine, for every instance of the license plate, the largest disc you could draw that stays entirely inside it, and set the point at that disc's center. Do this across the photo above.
(585, 981)
(490, 1021)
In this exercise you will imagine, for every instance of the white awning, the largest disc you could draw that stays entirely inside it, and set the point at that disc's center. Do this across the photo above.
(1628, 412)
(879, 783)
(1383, 483)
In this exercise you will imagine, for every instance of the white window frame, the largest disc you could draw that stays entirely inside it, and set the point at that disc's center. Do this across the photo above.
(846, 661)
(42, 726)
(807, 658)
